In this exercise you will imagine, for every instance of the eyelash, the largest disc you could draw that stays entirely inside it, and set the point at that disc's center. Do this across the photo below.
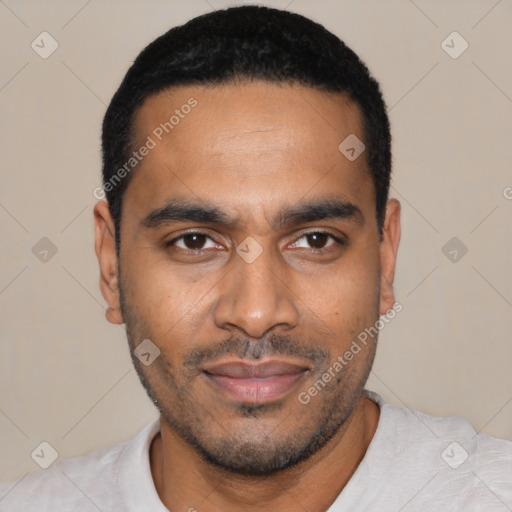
(338, 240)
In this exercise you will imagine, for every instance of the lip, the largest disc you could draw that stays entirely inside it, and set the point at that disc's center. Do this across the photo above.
(246, 381)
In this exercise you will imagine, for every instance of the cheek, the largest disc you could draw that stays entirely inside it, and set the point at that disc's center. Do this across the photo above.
(345, 297)
(165, 298)
(352, 285)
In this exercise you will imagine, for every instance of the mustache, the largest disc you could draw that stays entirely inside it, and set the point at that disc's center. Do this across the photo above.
(273, 345)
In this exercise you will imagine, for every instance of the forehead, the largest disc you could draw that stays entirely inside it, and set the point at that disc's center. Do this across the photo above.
(247, 145)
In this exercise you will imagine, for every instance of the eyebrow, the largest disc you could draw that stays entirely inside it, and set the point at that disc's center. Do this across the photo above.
(180, 210)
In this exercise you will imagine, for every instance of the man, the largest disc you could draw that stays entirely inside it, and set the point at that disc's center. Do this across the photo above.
(249, 246)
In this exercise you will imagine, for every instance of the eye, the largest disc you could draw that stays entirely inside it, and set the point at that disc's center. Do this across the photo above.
(317, 240)
(196, 241)
(192, 241)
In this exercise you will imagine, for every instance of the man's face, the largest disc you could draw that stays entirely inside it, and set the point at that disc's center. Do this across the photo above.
(289, 291)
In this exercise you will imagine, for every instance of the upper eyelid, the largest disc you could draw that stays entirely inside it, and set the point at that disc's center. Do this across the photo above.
(196, 232)
(336, 238)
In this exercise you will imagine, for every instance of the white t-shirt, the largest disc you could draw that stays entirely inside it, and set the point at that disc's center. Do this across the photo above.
(415, 463)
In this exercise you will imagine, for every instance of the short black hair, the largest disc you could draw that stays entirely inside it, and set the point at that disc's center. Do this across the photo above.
(246, 43)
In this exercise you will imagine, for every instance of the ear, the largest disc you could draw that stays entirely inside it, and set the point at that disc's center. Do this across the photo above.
(105, 247)
(388, 252)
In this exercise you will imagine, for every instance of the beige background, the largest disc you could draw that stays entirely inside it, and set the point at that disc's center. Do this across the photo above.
(65, 373)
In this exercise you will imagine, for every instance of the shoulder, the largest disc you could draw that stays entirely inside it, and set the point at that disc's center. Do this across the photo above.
(66, 483)
(87, 482)
(445, 461)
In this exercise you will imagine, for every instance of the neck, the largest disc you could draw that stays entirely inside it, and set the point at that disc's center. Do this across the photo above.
(184, 481)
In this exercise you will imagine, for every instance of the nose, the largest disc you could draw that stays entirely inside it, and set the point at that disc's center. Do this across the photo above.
(254, 297)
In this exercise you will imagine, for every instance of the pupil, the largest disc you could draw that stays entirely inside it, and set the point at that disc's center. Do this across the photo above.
(197, 243)
(322, 237)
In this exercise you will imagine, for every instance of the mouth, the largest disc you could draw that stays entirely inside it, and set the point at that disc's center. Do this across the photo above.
(246, 381)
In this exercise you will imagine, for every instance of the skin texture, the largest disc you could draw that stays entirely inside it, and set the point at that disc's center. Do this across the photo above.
(251, 149)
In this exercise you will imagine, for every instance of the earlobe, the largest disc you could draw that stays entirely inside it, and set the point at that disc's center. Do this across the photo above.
(105, 249)
(388, 254)
(114, 316)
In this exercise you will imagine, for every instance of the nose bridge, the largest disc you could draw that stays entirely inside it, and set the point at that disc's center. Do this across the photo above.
(253, 296)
